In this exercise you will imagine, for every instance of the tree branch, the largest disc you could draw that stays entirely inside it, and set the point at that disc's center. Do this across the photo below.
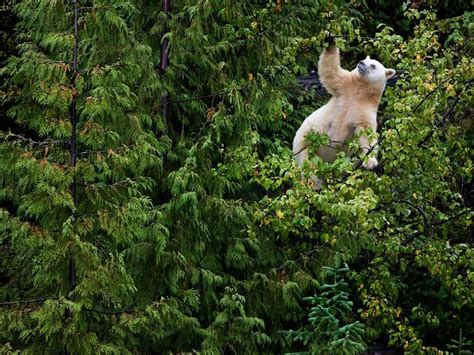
(104, 311)
(32, 300)
(31, 142)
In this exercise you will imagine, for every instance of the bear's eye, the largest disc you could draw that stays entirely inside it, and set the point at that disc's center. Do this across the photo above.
(372, 66)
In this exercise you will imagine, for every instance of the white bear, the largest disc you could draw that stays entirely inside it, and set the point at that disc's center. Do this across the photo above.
(352, 107)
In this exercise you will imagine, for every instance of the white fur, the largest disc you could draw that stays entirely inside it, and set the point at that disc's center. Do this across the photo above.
(352, 107)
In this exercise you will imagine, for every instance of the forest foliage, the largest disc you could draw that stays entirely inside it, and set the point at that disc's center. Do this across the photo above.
(190, 229)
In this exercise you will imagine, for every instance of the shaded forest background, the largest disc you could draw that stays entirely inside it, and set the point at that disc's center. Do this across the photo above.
(182, 224)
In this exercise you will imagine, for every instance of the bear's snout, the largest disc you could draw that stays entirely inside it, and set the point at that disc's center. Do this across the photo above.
(361, 66)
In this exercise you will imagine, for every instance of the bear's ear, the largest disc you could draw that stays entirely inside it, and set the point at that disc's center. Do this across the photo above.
(389, 73)
(367, 58)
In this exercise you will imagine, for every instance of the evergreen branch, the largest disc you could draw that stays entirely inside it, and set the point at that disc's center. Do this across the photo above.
(44, 299)
(268, 29)
(112, 185)
(45, 59)
(121, 311)
(112, 312)
(86, 152)
(95, 7)
(52, 61)
(32, 300)
(220, 93)
(31, 142)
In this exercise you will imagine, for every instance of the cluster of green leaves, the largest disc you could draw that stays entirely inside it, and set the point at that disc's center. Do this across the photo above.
(405, 229)
(197, 231)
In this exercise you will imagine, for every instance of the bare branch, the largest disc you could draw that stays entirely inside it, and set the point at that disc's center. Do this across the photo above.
(32, 300)
(87, 152)
(46, 143)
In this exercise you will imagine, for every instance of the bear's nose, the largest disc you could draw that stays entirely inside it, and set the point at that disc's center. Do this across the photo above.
(361, 63)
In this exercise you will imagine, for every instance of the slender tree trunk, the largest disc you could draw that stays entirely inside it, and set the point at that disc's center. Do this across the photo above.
(164, 59)
(73, 117)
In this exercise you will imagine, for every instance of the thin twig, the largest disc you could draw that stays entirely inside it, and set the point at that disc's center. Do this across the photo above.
(31, 142)
(325, 146)
(443, 119)
(220, 93)
(113, 312)
(86, 152)
(426, 221)
(112, 185)
(302, 256)
(411, 237)
(450, 218)
(32, 300)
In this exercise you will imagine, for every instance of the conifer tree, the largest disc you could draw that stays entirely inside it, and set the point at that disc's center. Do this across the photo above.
(231, 67)
(328, 330)
(76, 176)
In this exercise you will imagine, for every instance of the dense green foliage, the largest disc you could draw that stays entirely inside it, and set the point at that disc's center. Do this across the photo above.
(194, 232)
(328, 332)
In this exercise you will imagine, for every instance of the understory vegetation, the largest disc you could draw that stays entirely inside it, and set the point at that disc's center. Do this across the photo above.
(147, 208)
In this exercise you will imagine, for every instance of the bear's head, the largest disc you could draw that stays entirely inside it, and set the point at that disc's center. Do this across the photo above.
(373, 71)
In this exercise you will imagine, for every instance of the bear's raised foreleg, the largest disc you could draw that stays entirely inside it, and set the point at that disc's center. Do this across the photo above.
(330, 73)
